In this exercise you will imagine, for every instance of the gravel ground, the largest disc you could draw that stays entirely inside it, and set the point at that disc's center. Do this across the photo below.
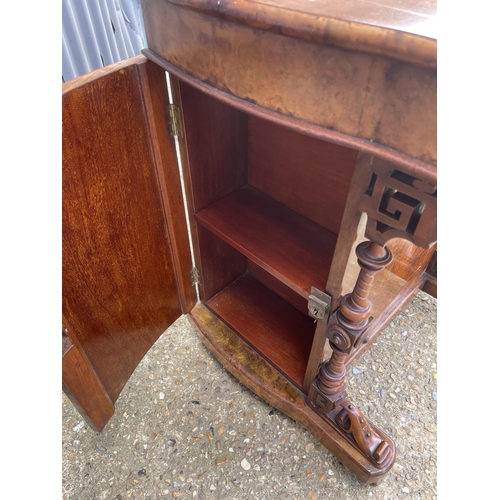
(185, 428)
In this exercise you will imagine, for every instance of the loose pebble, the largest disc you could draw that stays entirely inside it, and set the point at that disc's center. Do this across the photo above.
(221, 460)
(245, 464)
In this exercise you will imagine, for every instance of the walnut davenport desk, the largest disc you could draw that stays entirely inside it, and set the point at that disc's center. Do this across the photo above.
(307, 137)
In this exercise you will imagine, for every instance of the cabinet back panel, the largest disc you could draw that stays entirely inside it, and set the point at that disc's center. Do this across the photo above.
(216, 137)
(310, 176)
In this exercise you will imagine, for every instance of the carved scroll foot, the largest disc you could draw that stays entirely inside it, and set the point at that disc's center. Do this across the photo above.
(379, 449)
(346, 418)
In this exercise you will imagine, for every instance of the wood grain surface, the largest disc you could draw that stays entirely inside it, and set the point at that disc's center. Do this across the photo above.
(289, 246)
(306, 174)
(374, 97)
(275, 329)
(120, 282)
(403, 30)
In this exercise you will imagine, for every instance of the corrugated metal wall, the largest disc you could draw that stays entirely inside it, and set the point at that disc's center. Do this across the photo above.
(96, 33)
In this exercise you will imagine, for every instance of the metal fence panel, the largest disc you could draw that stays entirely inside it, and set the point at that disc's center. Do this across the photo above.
(96, 33)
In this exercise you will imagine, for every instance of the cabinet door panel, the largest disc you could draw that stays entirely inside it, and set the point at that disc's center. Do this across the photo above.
(126, 255)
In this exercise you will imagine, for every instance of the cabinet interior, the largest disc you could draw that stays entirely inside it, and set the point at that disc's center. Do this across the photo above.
(267, 205)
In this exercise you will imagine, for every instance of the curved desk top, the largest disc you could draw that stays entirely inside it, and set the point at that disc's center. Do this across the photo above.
(362, 69)
(403, 29)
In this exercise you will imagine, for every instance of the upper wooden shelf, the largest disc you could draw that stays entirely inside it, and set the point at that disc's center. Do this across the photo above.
(292, 248)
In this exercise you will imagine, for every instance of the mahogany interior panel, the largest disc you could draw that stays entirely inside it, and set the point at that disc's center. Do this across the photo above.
(274, 328)
(306, 174)
(286, 244)
(216, 140)
(119, 286)
(220, 264)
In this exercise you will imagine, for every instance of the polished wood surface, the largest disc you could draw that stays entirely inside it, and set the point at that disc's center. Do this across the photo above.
(306, 174)
(306, 128)
(430, 285)
(291, 162)
(278, 287)
(219, 263)
(276, 330)
(373, 97)
(82, 385)
(405, 30)
(216, 143)
(309, 132)
(121, 277)
(289, 246)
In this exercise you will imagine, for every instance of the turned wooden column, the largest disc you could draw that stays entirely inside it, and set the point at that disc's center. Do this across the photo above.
(399, 204)
(345, 331)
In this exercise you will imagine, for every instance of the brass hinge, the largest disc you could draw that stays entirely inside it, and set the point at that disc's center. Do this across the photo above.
(319, 304)
(195, 276)
(174, 121)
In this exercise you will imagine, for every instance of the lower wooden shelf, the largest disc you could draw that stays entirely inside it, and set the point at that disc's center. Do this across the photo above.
(275, 329)
(265, 381)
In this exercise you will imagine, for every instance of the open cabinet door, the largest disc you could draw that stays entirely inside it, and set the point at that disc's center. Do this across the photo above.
(126, 258)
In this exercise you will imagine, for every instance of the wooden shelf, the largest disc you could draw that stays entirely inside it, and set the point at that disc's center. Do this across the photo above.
(275, 329)
(292, 248)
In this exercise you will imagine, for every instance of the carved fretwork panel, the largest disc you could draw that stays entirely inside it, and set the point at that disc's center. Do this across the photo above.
(399, 205)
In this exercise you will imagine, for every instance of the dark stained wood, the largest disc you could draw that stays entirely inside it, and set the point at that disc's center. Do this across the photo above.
(265, 381)
(389, 296)
(216, 143)
(287, 245)
(400, 204)
(82, 385)
(341, 279)
(344, 268)
(219, 263)
(310, 176)
(430, 285)
(120, 285)
(277, 100)
(276, 330)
